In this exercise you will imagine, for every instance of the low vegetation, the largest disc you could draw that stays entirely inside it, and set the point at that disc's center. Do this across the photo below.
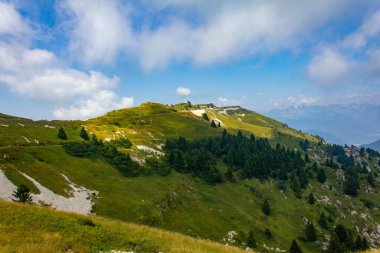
(27, 228)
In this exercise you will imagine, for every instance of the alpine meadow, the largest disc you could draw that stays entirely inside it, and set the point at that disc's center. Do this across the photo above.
(142, 126)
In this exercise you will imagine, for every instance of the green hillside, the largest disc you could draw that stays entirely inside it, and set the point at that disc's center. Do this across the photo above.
(182, 202)
(26, 228)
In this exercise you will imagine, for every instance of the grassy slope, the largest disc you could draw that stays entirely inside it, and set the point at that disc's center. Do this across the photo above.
(181, 203)
(177, 202)
(26, 228)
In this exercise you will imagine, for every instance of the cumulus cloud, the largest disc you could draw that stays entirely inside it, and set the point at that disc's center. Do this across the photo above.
(229, 102)
(101, 102)
(103, 29)
(356, 55)
(369, 29)
(39, 74)
(328, 66)
(300, 100)
(99, 29)
(183, 91)
(11, 22)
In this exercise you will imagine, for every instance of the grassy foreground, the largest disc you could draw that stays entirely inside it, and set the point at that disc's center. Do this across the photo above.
(26, 228)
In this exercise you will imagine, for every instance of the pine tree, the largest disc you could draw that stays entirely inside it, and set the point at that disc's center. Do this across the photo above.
(310, 232)
(370, 179)
(294, 248)
(341, 233)
(205, 116)
(230, 175)
(350, 244)
(307, 158)
(266, 207)
(62, 134)
(94, 139)
(335, 245)
(311, 198)
(321, 175)
(314, 167)
(213, 124)
(189, 104)
(83, 134)
(358, 243)
(251, 242)
(268, 234)
(22, 194)
(365, 244)
(322, 221)
(351, 185)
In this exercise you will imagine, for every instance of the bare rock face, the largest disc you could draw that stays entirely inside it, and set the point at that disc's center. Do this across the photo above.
(80, 202)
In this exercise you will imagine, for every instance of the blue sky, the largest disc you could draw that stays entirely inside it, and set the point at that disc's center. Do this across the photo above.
(75, 59)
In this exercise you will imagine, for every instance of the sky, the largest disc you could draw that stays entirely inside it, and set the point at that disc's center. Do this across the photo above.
(77, 59)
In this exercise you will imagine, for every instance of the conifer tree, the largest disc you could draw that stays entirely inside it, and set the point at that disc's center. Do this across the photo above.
(83, 134)
(268, 234)
(311, 198)
(62, 134)
(251, 242)
(335, 245)
(310, 232)
(341, 233)
(230, 175)
(358, 243)
(205, 116)
(314, 167)
(94, 139)
(365, 244)
(266, 207)
(322, 221)
(370, 179)
(351, 185)
(22, 194)
(321, 175)
(294, 248)
(307, 158)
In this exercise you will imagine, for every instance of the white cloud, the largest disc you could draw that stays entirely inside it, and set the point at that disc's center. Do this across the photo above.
(101, 30)
(183, 91)
(300, 100)
(369, 29)
(328, 66)
(229, 102)
(11, 22)
(39, 74)
(101, 102)
(356, 56)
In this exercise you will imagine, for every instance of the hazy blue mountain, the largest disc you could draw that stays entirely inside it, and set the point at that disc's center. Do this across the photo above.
(328, 137)
(374, 145)
(349, 124)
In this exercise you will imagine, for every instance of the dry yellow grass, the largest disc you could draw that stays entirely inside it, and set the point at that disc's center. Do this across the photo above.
(31, 229)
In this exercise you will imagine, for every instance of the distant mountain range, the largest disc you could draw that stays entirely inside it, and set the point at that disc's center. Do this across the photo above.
(374, 145)
(341, 124)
